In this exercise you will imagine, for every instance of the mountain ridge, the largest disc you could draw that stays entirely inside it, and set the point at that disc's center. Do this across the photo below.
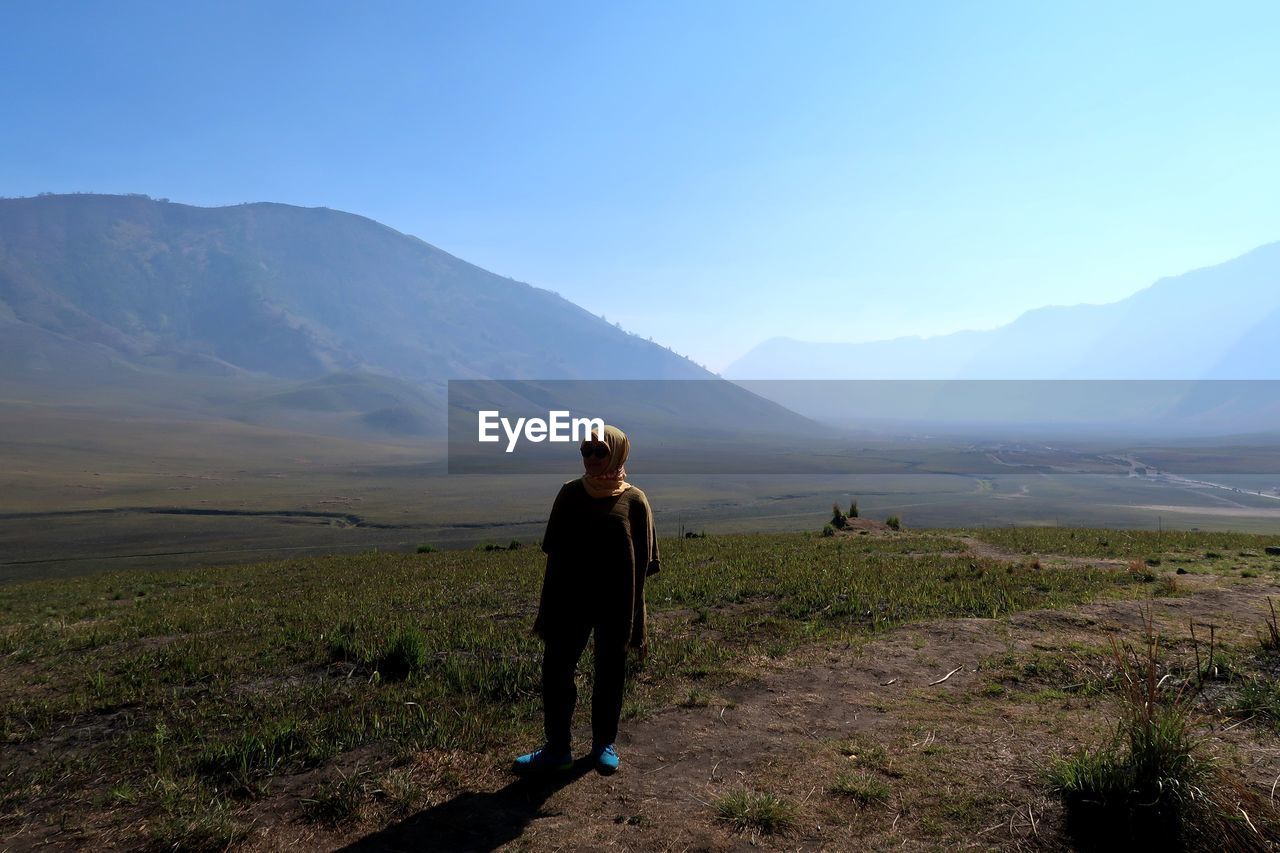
(1209, 322)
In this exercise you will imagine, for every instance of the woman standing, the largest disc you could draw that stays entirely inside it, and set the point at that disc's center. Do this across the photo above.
(601, 545)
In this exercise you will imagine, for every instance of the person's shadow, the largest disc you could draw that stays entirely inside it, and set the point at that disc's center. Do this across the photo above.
(471, 821)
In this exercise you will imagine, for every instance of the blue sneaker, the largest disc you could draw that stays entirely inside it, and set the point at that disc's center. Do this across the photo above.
(542, 760)
(606, 759)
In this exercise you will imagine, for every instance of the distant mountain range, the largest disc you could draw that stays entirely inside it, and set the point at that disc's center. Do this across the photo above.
(305, 318)
(1220, 322)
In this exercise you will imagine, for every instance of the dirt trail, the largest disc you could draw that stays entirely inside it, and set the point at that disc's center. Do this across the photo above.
(961, 762)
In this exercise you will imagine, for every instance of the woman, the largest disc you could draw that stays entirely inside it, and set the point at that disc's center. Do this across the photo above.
(600, 545)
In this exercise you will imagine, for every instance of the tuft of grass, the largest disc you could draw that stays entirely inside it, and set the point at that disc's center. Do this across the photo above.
(399, 791)
(427, 549)
(404, 655)
(341, 644)
(338, 800)
(894, 522)
(1270, 641)
(699, 698)
(1258, 698)
(865, 754)
(1139, 572)
(757, 811)
(1152, 784)
(860, 786)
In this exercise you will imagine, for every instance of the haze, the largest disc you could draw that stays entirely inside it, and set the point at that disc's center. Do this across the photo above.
(711, 177)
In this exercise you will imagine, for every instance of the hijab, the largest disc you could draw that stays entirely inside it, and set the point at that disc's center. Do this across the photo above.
(612, 482)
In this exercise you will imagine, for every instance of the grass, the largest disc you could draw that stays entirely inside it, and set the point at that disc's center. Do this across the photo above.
(196, 698)
(1118, 544)
(860, 786)
(756, 811)
(1258, 698)
(1154, 783)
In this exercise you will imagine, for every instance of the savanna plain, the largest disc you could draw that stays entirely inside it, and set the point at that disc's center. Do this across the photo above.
(319, 644)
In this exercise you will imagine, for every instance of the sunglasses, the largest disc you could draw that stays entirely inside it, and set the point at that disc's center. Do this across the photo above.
(599, 451)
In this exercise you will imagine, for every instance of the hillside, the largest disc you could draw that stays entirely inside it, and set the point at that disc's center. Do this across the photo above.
(291, 292)
(303, 318)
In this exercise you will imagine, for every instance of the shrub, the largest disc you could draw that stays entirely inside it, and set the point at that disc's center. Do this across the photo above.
(894, 522)
(838, 518)
(427, 549)
(514, 545)
(828, 530)
(853, 510)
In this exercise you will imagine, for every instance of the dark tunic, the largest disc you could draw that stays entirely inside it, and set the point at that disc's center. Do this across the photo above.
(599, 551)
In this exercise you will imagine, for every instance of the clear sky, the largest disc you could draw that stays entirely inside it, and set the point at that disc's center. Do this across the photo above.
(709, 174)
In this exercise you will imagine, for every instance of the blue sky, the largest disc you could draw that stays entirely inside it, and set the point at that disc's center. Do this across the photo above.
(709, 174)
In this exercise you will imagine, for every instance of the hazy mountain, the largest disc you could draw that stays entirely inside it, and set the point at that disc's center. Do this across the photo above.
(1219, 322)
(300, 317)
(291, 292)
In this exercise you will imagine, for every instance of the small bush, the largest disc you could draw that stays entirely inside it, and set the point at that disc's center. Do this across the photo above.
(853, 510)
(828, 530)
(514, 545)
(894, 522)
(427, 549)
(763, 812)
(838, 518)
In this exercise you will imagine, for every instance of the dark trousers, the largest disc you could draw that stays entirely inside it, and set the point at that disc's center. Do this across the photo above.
(564, 647)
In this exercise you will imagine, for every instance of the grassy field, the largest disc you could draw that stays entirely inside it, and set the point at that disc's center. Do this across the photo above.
(85, 491)
(188, 708)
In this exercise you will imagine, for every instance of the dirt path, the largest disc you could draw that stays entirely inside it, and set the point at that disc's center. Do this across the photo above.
(923, 709)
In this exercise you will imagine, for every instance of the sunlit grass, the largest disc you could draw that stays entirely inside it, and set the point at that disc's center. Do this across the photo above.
(191, 690)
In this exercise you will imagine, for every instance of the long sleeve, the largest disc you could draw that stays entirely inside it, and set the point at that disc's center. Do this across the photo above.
(644, 537)
(553, 545)
(557, 533)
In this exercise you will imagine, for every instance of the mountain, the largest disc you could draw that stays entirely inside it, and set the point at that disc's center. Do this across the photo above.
(286, 292)
(1219, 322)
(305, 318)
